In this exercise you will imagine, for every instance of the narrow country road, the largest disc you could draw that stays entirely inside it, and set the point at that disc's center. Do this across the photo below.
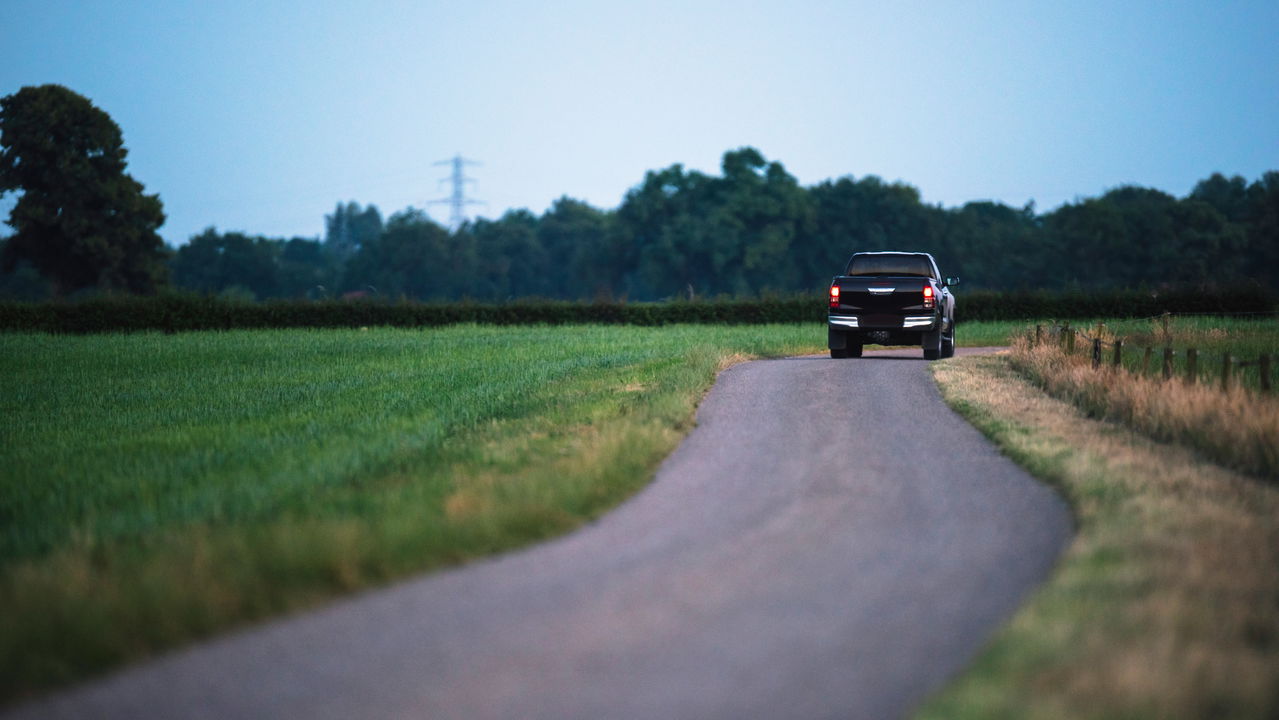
(831, 541)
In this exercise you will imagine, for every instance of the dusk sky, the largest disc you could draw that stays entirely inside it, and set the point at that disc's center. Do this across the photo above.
(260, 116)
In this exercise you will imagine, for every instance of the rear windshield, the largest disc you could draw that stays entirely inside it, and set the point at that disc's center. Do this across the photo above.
(890, 264)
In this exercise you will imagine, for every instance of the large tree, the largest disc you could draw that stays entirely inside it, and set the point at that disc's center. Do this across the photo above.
(80, 220)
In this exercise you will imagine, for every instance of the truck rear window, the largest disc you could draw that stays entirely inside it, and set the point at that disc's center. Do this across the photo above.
(889, 264)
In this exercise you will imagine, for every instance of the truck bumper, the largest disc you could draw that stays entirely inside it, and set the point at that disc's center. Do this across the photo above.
(922, 323)
(844, 331)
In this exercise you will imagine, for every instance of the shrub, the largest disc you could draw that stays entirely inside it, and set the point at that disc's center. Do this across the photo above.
(185, 312)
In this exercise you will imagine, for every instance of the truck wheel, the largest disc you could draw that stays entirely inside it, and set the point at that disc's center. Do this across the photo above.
(932, 345)
(838, 354)
(948, 343)
(854, 349)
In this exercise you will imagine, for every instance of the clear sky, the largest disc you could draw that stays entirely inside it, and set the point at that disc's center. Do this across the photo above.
(261, 115)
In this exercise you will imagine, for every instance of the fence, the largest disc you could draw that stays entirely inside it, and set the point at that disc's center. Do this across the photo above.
(1111, 352)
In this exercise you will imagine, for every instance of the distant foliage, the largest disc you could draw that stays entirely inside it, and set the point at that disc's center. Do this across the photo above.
(748, 232)
(237, 265)
(80, 220)
(350, 228)
(754, 231)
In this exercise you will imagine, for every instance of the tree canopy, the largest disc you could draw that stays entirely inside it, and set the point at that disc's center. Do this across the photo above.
(751, 229)
(81, 220)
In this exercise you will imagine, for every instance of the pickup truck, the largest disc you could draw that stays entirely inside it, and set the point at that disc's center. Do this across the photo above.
(891, 298)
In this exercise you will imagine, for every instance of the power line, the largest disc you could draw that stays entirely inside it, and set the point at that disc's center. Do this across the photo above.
(457, 201)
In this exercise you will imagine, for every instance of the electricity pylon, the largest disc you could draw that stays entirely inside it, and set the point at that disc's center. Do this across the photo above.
(458, 200)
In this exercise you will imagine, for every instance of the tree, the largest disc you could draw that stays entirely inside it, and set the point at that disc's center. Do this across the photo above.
(576, 239)
(349, 228)
(409, 259)
(1141, 236)
(514, 263)
(81, 220)
(23, 283)
(991, 245)
(1228, 196)
(1263, 228)
(737, 234)
(213, 263)
(304, 269)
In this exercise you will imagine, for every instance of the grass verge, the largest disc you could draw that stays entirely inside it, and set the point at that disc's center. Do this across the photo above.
(1238, 427)
(157, 488)
(1244, 340)
(1166, 605)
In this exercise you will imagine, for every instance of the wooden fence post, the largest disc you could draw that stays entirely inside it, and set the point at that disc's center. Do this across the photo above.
(1145, 361)
(1167, 363)
(1070, 340)
(1226, 362)
(1192, 366)
(1039, 335)
(1263, 365)
(1164, 318)
(1119, 353)
(1096, 353)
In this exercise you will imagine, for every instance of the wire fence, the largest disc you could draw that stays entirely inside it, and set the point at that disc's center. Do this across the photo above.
(1187, 363)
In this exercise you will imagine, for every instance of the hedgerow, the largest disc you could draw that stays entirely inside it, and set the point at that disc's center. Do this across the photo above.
(186, 312)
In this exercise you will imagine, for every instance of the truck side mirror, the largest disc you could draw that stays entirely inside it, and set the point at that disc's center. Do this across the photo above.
(952, 281)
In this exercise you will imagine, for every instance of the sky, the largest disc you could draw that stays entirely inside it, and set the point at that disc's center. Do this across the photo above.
(260, 116)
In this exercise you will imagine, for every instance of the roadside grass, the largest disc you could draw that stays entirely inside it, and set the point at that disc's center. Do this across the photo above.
(1166, 605)
(1236, 427)
(1244, 339)
(155, 489)
(989, 333)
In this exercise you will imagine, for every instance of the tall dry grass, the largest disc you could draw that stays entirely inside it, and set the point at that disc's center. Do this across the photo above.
(1166, 604)
(1237, 428)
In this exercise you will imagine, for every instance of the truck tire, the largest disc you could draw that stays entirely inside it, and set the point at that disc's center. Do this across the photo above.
(948, 343)
(840, 342)
(932, 345)
(854, 349)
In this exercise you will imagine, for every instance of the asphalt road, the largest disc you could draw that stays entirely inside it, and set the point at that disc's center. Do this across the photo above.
(831, 541)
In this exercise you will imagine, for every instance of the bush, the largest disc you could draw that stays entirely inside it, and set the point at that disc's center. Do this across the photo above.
(184, 312)
(1027, 305)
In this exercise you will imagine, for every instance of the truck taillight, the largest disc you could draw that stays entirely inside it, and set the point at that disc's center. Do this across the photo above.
(834, 296)
(928, 296)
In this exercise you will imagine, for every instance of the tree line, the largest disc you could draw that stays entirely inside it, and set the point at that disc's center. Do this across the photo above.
(751, 230)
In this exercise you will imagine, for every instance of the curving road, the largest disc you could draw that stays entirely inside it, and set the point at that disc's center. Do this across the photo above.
(831, 541)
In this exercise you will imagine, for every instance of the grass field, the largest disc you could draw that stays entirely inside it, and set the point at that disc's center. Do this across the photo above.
(157, 488)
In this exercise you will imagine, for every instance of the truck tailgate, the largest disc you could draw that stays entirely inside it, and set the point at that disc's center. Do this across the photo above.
(881, 300)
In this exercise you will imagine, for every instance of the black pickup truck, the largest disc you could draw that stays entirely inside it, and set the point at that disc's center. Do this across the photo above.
(891, 298)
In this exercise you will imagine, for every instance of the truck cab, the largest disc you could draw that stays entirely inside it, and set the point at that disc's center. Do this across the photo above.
(891, 298)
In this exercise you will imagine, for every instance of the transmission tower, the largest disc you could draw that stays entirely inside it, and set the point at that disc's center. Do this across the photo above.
(457, 201)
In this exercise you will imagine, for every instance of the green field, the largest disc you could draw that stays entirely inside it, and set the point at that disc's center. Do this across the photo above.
(156, 488)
